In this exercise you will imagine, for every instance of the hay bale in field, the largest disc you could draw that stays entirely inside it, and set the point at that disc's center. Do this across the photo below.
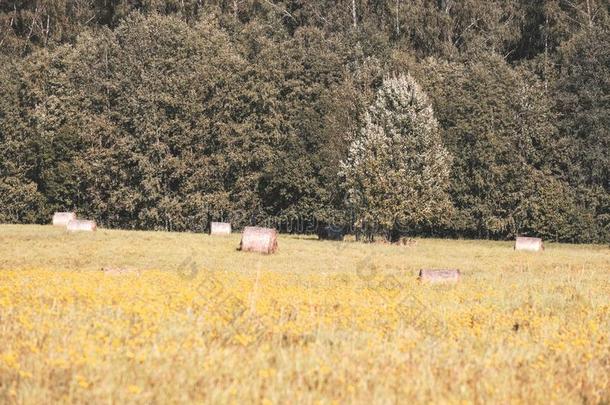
(256, 239)
(439, 276)
(220, 228)
(528, 244)
(62, 218)
(81, 225)
(120, 271)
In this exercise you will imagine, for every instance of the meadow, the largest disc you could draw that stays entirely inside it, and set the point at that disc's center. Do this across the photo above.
(317, 322)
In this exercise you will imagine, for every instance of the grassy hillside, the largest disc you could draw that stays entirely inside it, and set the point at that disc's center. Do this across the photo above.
(318, 321)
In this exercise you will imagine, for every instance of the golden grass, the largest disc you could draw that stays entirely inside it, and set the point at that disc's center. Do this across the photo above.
(317, 322)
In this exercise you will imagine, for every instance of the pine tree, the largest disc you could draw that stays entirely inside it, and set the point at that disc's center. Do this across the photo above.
(397, 170)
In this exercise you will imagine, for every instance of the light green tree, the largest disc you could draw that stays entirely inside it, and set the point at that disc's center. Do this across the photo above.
(397, 169)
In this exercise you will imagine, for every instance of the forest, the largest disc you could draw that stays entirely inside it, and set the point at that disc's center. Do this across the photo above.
(167, 114)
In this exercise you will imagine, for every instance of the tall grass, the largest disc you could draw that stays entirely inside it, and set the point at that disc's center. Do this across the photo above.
(317, 322)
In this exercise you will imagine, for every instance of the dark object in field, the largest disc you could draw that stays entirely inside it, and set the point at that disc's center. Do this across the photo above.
(256, 239)
(528, 244)
(439, 276)
(62, 218)
(120, 271)
(81, 225)
(408, 242)
(331, 232)
(220, 228)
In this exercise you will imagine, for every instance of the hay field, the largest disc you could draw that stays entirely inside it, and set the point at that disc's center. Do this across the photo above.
(318, 322)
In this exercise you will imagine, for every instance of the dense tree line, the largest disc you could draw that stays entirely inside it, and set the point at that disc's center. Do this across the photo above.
(166, 114)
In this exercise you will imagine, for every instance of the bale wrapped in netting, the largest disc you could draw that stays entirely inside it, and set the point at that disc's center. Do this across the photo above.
(529, 244)
(256, 239)
(62, 218)
(439, 276)
(81, 225)
(220, 228)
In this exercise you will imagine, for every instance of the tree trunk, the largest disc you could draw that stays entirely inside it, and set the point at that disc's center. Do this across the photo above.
(397, 20)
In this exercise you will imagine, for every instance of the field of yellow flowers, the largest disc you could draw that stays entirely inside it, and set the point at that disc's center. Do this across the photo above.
(318, 322)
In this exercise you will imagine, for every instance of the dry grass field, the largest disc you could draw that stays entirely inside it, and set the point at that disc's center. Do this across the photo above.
(318, 322)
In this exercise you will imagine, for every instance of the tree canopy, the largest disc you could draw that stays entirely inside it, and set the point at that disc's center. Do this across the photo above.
(166, 114)
(397, 169)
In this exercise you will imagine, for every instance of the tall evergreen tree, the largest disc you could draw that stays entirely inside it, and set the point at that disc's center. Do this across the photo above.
(397, 170)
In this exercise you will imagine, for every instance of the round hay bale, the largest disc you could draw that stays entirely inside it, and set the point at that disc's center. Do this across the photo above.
(528, 244)
(439, 276)
(220, 228)
(81, 225)
(62, 218)
(256, 239)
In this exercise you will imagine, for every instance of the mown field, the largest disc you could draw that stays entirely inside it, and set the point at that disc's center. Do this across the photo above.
(318, 322)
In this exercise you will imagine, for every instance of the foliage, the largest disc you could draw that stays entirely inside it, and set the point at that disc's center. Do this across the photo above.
(499, 124)
(19, 196)
(397, 170)
(164, 114)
